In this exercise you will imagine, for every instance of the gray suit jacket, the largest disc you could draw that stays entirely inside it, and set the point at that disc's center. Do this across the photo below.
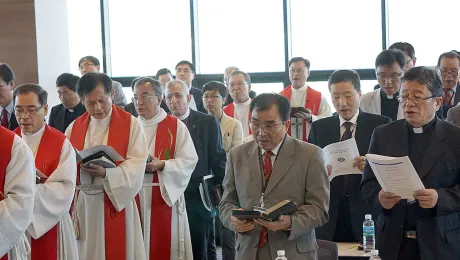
(453, 115)
(299, 174)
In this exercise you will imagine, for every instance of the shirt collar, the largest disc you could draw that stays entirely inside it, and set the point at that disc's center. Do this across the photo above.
(301, 89)
(424, 129)
(384, 95)
(160, 116)
(9, 108)
(352, 120)
(244, 104)
(276, 149)
(184, 116)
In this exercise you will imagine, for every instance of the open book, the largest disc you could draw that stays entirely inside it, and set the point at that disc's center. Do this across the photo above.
(102, 155)
(285, 207)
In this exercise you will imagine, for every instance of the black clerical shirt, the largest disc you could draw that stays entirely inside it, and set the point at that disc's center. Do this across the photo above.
(389, 106)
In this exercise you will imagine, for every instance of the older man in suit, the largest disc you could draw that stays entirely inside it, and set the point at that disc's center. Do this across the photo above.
(429, 227)
(453, 115)
(272, 168)
(347, 208)
(7, 118)
(205, 132)
(70, 108)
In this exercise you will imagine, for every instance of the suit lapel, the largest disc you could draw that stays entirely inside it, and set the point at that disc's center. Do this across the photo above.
(435, 148)
(225, 124)
(401, 141)
(254, 164)
(282, 164)
(362, 129)
(457, 96)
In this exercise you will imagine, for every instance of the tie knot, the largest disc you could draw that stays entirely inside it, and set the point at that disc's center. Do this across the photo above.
(268, 154)
(347, 125)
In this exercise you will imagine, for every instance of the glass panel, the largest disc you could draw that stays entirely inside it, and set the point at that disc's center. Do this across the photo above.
(260, 88)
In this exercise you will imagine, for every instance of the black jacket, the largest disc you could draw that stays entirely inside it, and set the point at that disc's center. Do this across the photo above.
(57, 116)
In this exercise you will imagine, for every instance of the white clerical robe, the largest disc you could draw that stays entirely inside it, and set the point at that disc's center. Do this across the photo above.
(17, 206)
(121, 185)
(298, 98)
(242, 115)
(172, 180)
(54, 197)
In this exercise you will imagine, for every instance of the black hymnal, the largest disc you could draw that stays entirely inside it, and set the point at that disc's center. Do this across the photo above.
(211, 192)
(285, 207)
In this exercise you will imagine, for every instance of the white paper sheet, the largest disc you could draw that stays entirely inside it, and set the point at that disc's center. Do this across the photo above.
(396, 175)
(341, 157)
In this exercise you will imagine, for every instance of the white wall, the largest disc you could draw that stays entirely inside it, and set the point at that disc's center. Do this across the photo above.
(52, 44)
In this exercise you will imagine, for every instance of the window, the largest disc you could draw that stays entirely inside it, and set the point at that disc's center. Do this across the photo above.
(146, 36)
(321, 86)
(85, 38)
(245, 34)
(432, 29)
(260, 88)
(337, 34)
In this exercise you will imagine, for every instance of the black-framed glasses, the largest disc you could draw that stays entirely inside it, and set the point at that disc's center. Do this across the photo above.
(416, 100)
(392, 77)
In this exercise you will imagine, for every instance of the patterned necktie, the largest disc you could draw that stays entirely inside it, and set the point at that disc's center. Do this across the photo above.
(4, 118)
(346, 135)
(447, 100)
(267, 165)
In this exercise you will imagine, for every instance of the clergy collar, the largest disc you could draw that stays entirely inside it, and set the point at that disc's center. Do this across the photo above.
(75, 107)
(352, 120)
(160, 116)
(244, 104)
(9, 108)
(301, 89)
(184, 116)
(424, 129)
(39, 132)
(384, 95)
(276, 149)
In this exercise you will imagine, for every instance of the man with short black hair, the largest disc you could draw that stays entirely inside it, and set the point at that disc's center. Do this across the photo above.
(7, 118)
(425, 228)
(70, 108)
(299, 94)
(164, 75)
(185, 71)
(409, 53)
(92, 64)
(347, 208)
(389, 69)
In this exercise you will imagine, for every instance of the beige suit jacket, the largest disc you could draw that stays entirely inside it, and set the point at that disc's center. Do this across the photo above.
(232, 132)
(299, 174)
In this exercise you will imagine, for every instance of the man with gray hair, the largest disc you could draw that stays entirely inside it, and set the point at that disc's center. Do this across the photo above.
(206, 136)
(427, 227)
(227, 73)
(172, 159)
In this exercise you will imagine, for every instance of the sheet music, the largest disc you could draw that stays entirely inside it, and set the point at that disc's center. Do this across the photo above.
(341, 157)
(396, 175)
(98, 148)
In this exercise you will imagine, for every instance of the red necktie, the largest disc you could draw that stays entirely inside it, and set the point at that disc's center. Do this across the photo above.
(447, 97)
(267, 164)
(4, 118)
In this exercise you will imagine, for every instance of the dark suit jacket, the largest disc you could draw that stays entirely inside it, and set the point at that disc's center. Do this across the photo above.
(438, 229)
(196, 93)
(206, 136)
(13, 123)
(57, 115)
(252, 94)
(326, 131)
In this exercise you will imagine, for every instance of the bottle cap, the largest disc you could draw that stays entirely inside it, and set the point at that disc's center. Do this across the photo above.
(374, 252)
(280, 252)
(368, 216)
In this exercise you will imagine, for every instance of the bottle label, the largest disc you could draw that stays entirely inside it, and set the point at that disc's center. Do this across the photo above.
(368, 231)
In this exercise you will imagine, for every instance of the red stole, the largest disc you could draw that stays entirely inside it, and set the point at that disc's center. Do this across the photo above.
(114, 222)
(312, 102)
(229, 110)
(161, 213)
(47, 160)
(6, 145)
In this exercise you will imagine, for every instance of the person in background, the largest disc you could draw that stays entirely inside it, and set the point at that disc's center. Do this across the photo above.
(185, 71)
(7, 118)
(164, 75)
(449, 66)
(227, 73)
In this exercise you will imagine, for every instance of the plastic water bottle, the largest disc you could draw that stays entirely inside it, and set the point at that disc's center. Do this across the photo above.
(281, 254)
(375, 255)
(368, 234)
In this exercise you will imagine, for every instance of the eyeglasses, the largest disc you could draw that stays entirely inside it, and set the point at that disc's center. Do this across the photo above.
(392, 77)
(85, 65)
(415, 100)
(255, 126)
(212, 97)
(30, 110)
(237, 84)
(409, 60)
(453, 73)
(142, 98)
(298, 71)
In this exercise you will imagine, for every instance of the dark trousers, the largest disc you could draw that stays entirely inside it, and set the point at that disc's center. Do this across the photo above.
(344, 229)
(227, 240)
(409, 250)
(203, 237)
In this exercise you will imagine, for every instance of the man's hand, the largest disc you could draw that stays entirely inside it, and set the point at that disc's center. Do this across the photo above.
(241, 226)
(95, 170)
(155, 165)
(329, 170)
(360, 162)
(284, 223)
(304, 115)
(427, 198)
(388, 200)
